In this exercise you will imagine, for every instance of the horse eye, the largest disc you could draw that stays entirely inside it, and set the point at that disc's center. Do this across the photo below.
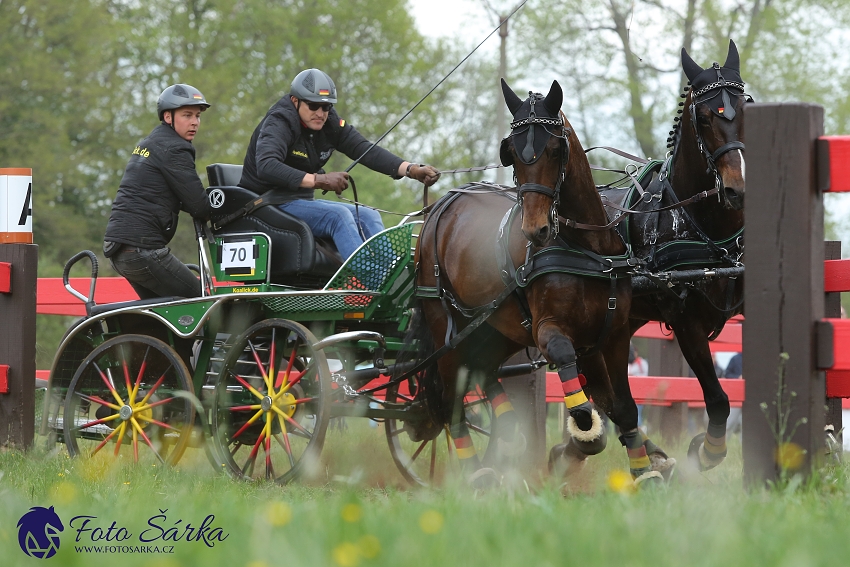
(703, 120)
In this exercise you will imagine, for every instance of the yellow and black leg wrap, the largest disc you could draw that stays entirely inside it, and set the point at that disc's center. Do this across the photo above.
(707, 450)
(574, 397)
(510, 441)
(464, 448)
(638, 460)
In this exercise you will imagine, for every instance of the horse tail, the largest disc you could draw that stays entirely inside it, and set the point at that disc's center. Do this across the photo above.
(419, 345)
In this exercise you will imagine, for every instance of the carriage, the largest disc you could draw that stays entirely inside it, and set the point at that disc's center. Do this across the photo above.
(256, 368)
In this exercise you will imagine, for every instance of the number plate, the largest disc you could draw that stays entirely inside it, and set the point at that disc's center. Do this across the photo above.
(238, 256)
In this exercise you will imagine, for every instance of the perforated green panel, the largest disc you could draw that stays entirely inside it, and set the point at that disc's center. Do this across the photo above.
(375, 265)
(319, 302)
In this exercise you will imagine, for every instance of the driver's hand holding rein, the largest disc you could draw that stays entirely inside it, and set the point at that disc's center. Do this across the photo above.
(294, 141)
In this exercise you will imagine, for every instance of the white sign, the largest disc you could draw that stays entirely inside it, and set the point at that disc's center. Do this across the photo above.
(16, 200)
(239, 255)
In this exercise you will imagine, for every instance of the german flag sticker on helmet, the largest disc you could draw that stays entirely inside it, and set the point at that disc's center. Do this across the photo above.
(198, 96)
(324, 92)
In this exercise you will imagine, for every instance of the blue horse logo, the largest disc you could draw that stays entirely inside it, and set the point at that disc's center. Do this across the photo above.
(38, 532)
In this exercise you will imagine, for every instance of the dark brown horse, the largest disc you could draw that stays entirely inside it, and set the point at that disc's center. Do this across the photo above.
(707, 156)
(573, 297)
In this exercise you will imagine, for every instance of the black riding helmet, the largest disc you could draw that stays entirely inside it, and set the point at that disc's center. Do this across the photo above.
(179, 95)
(313, 85)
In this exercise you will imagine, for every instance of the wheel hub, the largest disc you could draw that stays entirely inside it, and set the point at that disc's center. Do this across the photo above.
(287, 403)
(126, 412)
(266, 403)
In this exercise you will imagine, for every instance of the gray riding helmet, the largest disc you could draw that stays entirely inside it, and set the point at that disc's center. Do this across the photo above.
(178, 95)
(313, 85)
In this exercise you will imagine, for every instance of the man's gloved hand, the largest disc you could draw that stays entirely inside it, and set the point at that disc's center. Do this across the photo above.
(425, 174)
(336, 181)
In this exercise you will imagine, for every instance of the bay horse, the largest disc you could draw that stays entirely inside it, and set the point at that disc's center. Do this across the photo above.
(563, 290)
(707, 158)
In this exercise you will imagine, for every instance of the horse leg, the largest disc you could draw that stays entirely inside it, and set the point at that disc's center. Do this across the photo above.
(707, 450)
(584, 423)
(510, 441)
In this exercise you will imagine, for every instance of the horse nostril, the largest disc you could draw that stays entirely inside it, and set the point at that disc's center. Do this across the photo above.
(543, 234)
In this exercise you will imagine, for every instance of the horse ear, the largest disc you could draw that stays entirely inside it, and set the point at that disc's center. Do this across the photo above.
(689, 66)
(511, 99)
(733, 61)
(554, 99)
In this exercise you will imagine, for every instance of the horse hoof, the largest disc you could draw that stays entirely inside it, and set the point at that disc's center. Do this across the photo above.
(515, 448)
(593, 447)
(565, 459)
(591, 433)
(648, 479)
(699, 458)
(662, 464)
(484, 478)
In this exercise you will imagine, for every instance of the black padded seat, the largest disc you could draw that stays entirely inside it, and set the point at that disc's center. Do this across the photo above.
(298, 259)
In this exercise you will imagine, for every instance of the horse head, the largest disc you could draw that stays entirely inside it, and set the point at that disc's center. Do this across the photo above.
(714, 110)
(538, 148)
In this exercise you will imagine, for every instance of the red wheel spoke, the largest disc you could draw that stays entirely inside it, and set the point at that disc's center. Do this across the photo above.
(253, 455)
(433, 461)
(153, 405)
(152, 390)
(268, 447)
(97, 400)
(159, 423)
(418, 450)
(245, 408)
(145, 437)
(141, 373)
(285, 377)
(285, 444)
(260, 365)
(247, 386)
(126, 370)
(247, 425)
(104, 442)
(120, 439)
(296, 377)
(97, 422)
(304, 400)
(109, 385)
(292, 421)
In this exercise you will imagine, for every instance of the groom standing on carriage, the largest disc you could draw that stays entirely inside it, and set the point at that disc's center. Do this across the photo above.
(294, 141)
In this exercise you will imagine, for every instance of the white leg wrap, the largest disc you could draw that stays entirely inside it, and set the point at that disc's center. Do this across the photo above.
(707, 460)
(591, 434)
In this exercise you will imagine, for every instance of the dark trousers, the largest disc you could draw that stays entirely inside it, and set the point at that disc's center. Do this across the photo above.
(155, 273)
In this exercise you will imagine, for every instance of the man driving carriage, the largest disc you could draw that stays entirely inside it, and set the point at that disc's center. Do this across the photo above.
(293, 142)
(159, 181)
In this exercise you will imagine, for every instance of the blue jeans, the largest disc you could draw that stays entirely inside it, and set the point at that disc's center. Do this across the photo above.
(155, 273)
(328, 219)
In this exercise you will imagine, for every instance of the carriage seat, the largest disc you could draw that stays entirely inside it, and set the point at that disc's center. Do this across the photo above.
(298, 259)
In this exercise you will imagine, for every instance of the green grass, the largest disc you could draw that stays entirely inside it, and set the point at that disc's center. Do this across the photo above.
(357, 512)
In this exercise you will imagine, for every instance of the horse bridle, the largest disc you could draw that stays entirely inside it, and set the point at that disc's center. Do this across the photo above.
(712, 157)
(527, 156)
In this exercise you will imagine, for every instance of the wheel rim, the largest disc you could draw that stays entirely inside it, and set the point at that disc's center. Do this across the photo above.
(426, 463)
(122, 401)
(270, 410)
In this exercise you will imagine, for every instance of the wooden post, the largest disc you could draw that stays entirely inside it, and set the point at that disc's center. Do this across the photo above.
(665, 359)
(783, 289)
(832, 309)
(17, 345)
(528, 396)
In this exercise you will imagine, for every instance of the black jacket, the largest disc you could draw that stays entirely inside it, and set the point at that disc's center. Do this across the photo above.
(282, 151)
(160, 179)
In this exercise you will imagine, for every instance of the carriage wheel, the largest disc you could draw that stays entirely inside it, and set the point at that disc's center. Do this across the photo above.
(426, 463)
(270, 408)
(122, 399)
